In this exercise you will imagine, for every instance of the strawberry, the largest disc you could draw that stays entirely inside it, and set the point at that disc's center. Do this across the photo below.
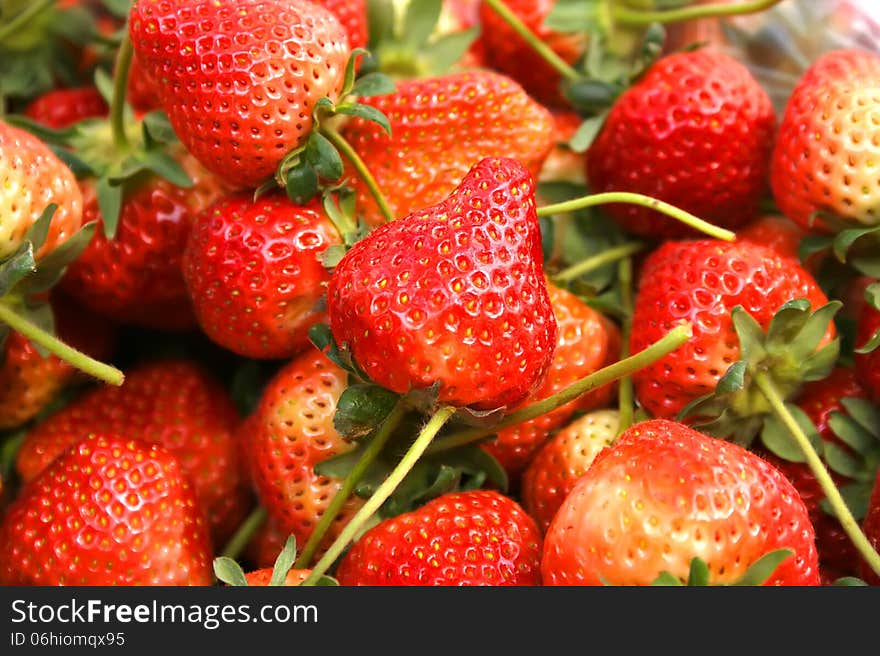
(452, 295)
(33, 177)
(505, 51)
(473, 538)
(109, 511)
(352, 15)
(586, 341)
(440, 128)
(695, 131)
(175, 403)
(141, 91)
(254, 274)
(664, 494)
(253, 57)
(60, 108)
(137, 277)
(825, 155)
(562, 460)
(701, 281)
(292, 430)
(774, 231)
(29, 381)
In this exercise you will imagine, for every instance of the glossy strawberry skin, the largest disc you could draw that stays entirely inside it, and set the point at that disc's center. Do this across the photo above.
(109, 511)
(505, 51)
(289, 433)
(440, 128)
(586, 341)
(828, 143)
(136, 278)
(352, 14)
(33, 177)
(453, 294)
(254, 274)
(701, 281)
(562, 460)
(262, 577)
(475, 538)
(663, 494)
(61, 108)
(257, 107)
(695, 131)
(174, 403)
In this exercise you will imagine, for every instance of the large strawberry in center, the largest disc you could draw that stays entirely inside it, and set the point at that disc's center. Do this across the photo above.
(453, 294)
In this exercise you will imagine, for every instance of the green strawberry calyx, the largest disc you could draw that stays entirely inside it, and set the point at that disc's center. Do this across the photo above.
(699, 575)
(229, 571)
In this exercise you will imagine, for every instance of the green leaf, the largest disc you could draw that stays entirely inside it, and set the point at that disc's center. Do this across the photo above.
(812, 244)
(367, 113)
(777, 439)
(52, 267)
(38, 232)
(323, 157)
(788, 321)
(326, 580)
(818, 365)
(374, 84)
(840, 460)
(734, 379)
(845, 239)
(445, 51)
(229, 571)
(571, 16)
(864, 412)
(592, 95)
(104, 84)
(699, 572)
(157, 125)
(41, 315)
(849, 581)
(301, 183)
(855, 496)
(362, 408)
(381, 18)
(853, 434)
(813, 330)
(665, 579)
(762, 569)
(17, 267)
(587, 132)
(165, 166)
(110, 203)
(332, 255)
(419, 22)
(350, 71)
(751, 336)
(284, 562)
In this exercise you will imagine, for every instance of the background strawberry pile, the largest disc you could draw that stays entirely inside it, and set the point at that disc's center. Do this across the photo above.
(460, 292)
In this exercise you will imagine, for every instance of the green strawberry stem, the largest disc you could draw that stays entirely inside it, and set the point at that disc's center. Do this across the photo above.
(371, 452)
(352, 156)
(545, 51)
(624, 367)
(643, 201)
(120, 86)
(385, 490)
(635, 17)
(244, 533)
(78, 359)
(607, 256)
(841, 510)
(625, 395)
(21, 19)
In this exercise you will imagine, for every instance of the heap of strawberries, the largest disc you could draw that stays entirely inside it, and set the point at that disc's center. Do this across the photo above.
(471, 292)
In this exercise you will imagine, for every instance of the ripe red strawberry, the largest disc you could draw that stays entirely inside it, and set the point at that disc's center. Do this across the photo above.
(265, 63)
(829, 142)
(440, 128)
(175, 403)
(506, 51)
(701, 281)
(264, 575)
(586, 341)
(868, 364)
(141, 92)
(33, 177)
(61, 108)
(695, 131)
(562, 460)
(109, 511)
(292, 430)
(265, 545)
(453, 295)
(254, 274)
(29, 381)
(474, 538)
(820, 400)
(774, 231)
(664, 494)
(352, 14)
(136, 277)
